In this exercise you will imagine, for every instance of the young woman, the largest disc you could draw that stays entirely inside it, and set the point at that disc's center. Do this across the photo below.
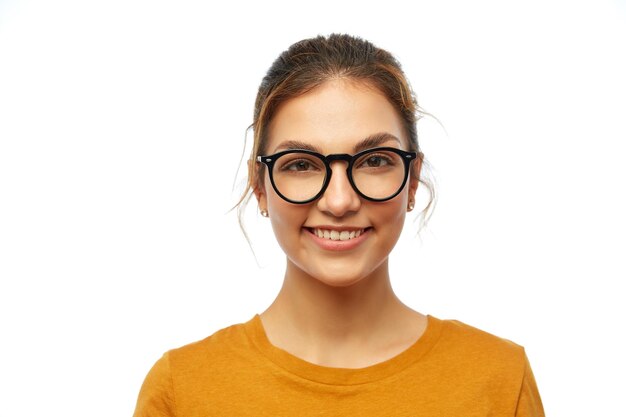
(335, 167)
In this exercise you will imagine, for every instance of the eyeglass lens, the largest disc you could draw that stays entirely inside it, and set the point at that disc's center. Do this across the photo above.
(301, 176)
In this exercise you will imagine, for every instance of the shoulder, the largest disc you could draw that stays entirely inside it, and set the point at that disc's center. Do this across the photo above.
(482, 371)
(460, 331)
(221, 347)
(476, 349)
(182, 373)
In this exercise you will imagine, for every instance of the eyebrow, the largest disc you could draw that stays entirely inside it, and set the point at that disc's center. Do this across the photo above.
(372, 141)
(375, 140)
(296, 144)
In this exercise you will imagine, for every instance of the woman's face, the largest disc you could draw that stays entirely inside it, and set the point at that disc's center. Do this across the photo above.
(337, 117)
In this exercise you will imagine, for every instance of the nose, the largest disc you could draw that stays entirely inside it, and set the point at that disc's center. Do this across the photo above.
(339, 198)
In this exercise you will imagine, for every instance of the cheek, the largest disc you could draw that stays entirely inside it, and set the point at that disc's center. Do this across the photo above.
(393, 221)
(394, 211)
(277, 207)
(388, 220)
(286, 218)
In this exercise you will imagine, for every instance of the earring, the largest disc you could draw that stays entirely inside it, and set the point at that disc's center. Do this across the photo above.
(411, 205)
(264, 213)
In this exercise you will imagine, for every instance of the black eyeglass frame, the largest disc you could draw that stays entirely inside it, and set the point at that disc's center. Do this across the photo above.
(270, 160)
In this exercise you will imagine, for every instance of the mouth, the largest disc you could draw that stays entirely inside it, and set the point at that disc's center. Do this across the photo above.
(333, 234)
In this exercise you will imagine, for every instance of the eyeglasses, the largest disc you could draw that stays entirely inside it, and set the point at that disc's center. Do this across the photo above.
(300, 176)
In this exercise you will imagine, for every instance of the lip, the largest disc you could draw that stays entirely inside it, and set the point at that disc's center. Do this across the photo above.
(338, 245)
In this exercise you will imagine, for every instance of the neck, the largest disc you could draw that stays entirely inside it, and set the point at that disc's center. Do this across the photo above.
(317, 322)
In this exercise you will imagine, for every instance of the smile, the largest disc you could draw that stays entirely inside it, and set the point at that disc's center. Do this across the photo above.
(336, 234)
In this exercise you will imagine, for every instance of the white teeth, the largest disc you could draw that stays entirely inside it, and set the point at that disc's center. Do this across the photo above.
(337, 235)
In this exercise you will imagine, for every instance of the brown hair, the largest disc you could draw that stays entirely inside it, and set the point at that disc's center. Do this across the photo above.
(311, 62)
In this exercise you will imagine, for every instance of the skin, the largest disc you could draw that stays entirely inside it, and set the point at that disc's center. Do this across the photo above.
(337, 307)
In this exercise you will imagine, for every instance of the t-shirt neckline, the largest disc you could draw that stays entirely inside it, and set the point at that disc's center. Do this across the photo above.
(343, 376)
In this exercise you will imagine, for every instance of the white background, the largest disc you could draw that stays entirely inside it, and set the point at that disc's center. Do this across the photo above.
(122, 124)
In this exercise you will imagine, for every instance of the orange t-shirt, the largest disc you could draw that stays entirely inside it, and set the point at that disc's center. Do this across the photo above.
(452, 370)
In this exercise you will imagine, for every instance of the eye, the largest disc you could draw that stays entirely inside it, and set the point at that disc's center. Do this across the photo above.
(299, 163)
(379, 160)
(375, 161)
(299, 166)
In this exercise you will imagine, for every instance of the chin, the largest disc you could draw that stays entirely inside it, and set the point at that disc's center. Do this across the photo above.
(339, 282)
(337, 272)
(342, 276)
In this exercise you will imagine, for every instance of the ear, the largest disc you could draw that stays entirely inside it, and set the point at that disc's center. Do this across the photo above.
(261, 197)
(414, 175)
(255, 172)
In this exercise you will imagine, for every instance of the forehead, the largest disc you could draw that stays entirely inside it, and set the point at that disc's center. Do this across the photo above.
(334, 117)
